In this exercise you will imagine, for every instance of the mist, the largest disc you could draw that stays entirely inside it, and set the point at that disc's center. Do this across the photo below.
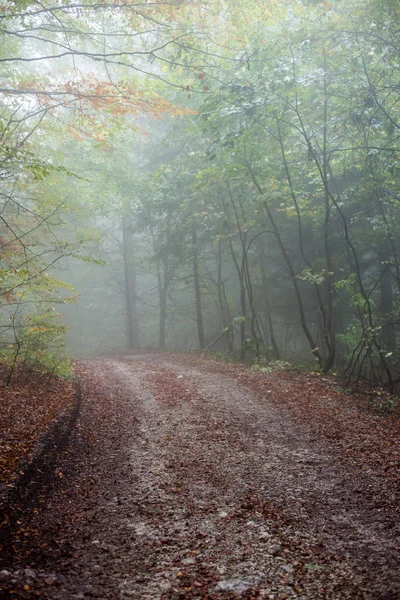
(196, 181)
(199, 299)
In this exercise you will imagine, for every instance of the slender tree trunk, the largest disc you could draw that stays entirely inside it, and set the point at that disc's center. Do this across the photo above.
(163, 280)
(162, 284)
(132, 325)
(386, 299)
(242, 328)
(335, 199)
(255, 327)
(241, 275)
(326, 336)
(328, 321)
(291, 270)
(225, 318)
(267, 310)
(243, 311)
(163, 317)
(245, 279)
(197, 291)
(367, 310)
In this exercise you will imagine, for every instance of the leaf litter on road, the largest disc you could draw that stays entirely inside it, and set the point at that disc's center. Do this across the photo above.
(184, 479)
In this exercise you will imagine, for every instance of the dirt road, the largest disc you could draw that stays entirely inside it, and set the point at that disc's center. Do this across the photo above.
(183, 481)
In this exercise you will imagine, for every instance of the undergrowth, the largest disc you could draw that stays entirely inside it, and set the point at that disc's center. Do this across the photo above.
(264, 365)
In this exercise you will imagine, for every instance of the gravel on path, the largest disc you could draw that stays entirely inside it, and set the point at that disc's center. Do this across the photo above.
(183, 482)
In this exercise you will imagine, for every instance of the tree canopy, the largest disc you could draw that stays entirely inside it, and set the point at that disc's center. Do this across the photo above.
(214, 175)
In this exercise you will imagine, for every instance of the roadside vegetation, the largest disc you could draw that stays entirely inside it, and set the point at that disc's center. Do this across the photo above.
(208, 176)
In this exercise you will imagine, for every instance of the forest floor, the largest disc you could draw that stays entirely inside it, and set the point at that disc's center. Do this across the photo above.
(186, 478)
(28, 408)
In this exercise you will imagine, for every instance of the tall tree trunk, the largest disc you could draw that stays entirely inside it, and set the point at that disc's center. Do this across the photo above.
(386, 298)
(367, 310)
(197, 291)
(163, 316)
(255, 327)
(241, 275)
(223, 307)
(132, 325)
(243, 311)
(240, 272)
(245, 284)
(328, 321)
(291, 270)
(163, 284)
(267, 310)
(163, 281)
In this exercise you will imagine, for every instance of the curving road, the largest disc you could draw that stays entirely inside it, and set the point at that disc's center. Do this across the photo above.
(182, 482)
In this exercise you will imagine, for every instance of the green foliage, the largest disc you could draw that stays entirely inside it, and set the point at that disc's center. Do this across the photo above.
(386, 404)
(42, 343)
(226, 357)
(264, 365)
(316, 278)
(286, 164)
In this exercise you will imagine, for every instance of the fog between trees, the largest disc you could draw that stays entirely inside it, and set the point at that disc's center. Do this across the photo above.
(213, 175)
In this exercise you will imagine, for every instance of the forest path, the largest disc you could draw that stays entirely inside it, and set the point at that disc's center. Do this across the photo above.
(182, 482)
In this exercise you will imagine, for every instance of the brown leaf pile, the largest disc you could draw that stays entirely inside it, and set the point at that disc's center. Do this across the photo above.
(28, 407)
(348, 421)
(361, 435)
